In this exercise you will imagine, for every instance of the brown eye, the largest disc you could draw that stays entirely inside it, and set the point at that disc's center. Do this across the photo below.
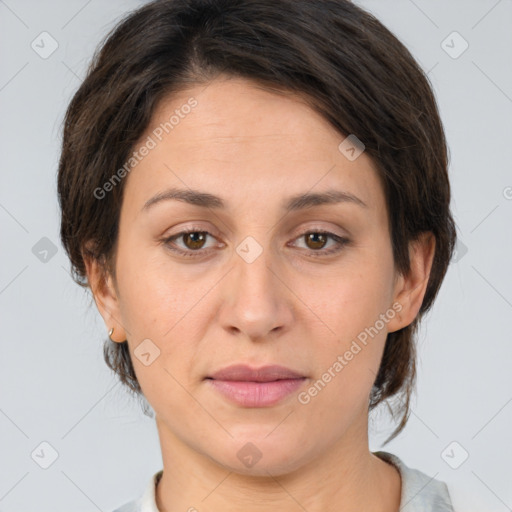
(189, 243)
(194, 239)
(316, 240)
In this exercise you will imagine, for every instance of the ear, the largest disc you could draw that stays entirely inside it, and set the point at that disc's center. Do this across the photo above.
(409, 290)
(105, 296)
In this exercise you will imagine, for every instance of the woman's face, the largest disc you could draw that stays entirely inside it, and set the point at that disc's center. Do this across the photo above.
(256, 283)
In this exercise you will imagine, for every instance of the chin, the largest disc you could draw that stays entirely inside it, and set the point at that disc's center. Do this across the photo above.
(261, 456)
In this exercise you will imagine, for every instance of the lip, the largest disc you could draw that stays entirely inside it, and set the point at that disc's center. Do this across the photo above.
(256, 387)
(243, 372)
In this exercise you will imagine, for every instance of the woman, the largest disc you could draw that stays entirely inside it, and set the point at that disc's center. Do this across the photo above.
(256, 193)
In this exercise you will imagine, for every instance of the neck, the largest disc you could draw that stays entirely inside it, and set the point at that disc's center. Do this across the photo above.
(345, 476)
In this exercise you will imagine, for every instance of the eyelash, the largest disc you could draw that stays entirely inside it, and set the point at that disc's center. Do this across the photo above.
(341, 241)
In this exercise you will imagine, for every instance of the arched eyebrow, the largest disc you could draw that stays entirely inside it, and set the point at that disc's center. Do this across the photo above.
(331, 196)
(293, 203)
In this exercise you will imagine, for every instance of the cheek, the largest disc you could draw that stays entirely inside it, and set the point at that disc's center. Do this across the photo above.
(165, 304)
(353, 299)
(160, 307)
(356, 307)
(154, 295)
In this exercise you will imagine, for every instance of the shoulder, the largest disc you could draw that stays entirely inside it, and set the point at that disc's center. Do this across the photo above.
(420, 492)
(131, 506)
(146, 502)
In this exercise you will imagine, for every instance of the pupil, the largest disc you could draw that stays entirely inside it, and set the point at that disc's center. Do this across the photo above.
(197, 238)
(313, 236)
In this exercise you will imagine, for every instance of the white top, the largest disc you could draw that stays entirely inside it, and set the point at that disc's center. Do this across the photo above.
(420, 493)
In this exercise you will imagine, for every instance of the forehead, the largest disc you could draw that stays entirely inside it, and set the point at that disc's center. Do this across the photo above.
(231, 136)
(238, 111)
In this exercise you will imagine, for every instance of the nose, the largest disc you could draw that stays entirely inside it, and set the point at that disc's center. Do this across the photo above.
(256, 302)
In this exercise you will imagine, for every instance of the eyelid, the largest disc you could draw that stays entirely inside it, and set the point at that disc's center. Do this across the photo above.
(189, 229)
(340, 242)
(320, 229)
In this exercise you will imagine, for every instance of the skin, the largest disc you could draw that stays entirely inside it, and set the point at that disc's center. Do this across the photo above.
(254, 149)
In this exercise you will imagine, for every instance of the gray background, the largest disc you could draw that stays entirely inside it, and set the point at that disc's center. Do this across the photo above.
(54, 386)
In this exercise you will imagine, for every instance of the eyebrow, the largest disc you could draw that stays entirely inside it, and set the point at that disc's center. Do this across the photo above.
(293, 203)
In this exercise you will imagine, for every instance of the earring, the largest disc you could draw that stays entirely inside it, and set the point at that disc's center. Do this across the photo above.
(110, 334)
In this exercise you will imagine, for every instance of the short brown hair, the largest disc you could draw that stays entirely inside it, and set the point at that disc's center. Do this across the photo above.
(350, 67)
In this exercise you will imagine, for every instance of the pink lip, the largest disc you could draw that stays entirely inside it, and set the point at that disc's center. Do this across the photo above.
(256, 394)
(258, 387)
(243, 372)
